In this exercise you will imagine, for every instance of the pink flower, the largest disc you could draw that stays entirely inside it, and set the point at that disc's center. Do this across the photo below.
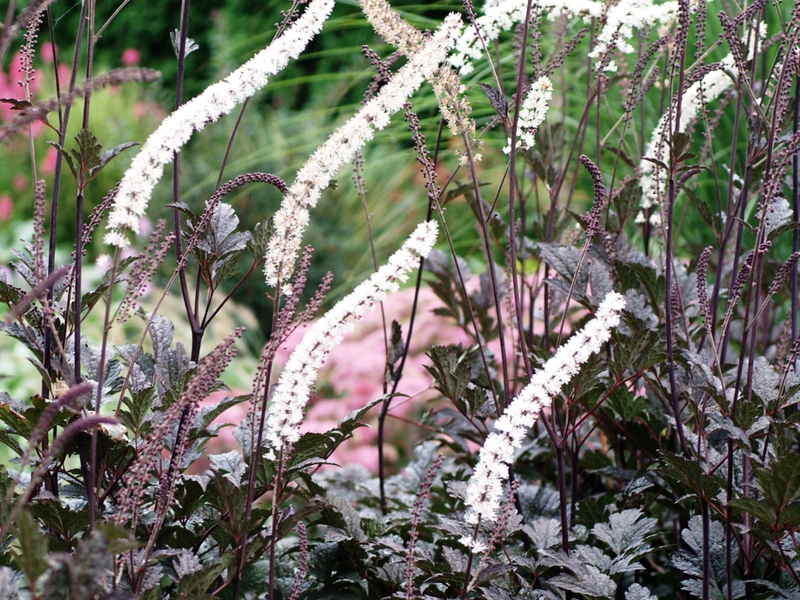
(49, 164)
(131, 57)
(20, 182)
(47, 53)
(6, 207)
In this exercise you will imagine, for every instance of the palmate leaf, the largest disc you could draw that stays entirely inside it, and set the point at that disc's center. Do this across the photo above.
(452, 375)
(564, 259)
(688, 475)
(641, 350)
(780, 486)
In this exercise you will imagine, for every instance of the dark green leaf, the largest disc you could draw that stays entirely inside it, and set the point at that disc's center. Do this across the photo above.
(32, 554)
(108, 155)
(451, 374)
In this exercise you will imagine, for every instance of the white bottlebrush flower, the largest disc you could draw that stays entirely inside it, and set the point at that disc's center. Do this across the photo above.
(485, 488)
(291, 219)
(653, 179)
(627, 15)
(299, 376)
(217, 100)
(532, 113)
(504, 15)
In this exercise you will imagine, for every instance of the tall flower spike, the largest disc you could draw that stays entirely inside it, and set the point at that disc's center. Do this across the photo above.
(217, 100)
(298, 378)
(708, 89)
(485, 488)
(532, 113)
(291, 219)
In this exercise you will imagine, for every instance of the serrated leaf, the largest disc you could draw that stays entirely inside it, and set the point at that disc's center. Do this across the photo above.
(346, 518)
(108, 155)
(175, 38)
(626, 532)
(257, 244)
(87, 153)
(32, 555)
(702, 208)
(66, 156)
(689, 473)
(498, 101)
(451, 374)
(640, 349)
(780, 483)
(564, 258)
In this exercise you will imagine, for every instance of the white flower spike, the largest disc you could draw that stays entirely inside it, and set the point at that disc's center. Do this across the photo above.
(291, 219)
(217, 100)
(300, 374)
(485, 488)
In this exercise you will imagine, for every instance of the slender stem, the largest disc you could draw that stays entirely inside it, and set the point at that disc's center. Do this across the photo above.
(487, 242)
(512, 192)
(683, 8)
(796, 211)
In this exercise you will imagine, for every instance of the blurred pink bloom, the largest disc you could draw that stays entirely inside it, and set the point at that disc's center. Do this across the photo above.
(20, 182)
(353, 375)
(47, 53)
(6, 207)
(131, 57)
(64, 72)
(49, 164)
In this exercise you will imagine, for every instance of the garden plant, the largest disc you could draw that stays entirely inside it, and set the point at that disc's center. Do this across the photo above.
(603, 196)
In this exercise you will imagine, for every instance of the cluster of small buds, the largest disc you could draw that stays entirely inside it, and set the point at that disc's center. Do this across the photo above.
(702, 285)
(384, 68)
(143, 270)
(396, 31)
(738, 284)
(416, 521)
(217, 100)
(783, 273)
(285, 323)
(423, 156)
(149, 454)
(297, 381)
(97, 215)
(291, 219)
(532, 113)
(302, 566)
(29, 52)
(599, 196)
(39, 211)
(485, 488)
